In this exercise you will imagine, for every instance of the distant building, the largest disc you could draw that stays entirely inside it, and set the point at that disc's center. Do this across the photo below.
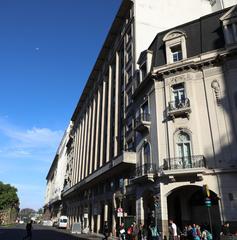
(56, 180)
(119, 140)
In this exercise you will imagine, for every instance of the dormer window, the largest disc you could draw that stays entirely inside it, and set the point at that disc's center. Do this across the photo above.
(144, 62)
(175, 46)
(230, 33)
(177, 53)
(229, 22)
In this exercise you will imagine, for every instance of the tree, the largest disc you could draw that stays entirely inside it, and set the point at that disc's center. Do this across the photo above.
(8, 196)
(40, 211)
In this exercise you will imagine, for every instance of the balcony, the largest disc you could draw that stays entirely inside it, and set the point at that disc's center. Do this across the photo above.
(144, 173)
(142, 122)
(116, 166)
(179, 108)
(189, 168)
(189, 162)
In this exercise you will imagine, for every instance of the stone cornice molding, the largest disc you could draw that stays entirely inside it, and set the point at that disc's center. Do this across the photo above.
(194, 64)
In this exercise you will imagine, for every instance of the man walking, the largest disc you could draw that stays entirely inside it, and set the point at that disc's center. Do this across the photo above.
(173, 230)
(28, 231)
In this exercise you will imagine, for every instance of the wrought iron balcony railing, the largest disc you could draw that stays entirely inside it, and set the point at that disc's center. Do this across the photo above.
(147, 168)
(194, 161)
(180, 104)
(179, 108)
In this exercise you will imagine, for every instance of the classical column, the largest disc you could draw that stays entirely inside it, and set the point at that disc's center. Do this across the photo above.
(87, 161)
(98, 223)
(106, 212)
(78, 151)
(92, 222)
(74, 158)
(114, 223)
(102, 123)
(93, 129)
(116, 107)
(84, 147)
(108, 147)
(81, 149)
(97, 137)
(139, 210)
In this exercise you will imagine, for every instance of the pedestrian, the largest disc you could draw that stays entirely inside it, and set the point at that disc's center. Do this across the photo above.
(153, 232)
(206, 235)
(135, 231)
(173, 235)
(28, 230)
(122, 232)
(225, 230)
(106, 231)
(190, 232)
(184, 234)
(195, 232)
(142, 234)
(130, 232)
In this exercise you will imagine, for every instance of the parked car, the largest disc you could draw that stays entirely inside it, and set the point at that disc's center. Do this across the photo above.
(47, 223)
(62, 222)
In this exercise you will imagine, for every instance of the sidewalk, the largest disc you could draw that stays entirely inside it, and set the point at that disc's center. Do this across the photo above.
(92, 236)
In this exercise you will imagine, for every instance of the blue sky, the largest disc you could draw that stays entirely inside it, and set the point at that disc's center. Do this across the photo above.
(47, 50)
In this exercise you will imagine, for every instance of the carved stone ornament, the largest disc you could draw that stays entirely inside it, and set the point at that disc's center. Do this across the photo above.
(174, 34)
(177, 79)
(216, 87)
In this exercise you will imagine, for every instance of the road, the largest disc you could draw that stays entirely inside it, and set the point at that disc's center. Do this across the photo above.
(39, 232)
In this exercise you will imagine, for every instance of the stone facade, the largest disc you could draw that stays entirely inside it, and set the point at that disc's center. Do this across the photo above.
(122, 127)
(57, 180)
(191, 132)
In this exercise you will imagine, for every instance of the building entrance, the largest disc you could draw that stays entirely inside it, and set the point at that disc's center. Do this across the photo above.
(186, 205)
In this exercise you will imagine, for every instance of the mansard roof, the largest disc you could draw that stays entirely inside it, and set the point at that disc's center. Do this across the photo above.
(202, 35)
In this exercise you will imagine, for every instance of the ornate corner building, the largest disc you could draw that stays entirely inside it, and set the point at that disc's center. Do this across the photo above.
(154, 125)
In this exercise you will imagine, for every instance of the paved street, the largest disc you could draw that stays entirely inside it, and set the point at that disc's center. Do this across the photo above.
(39, 233)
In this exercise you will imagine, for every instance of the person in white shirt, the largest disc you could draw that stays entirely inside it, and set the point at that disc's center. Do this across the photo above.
(173, 232)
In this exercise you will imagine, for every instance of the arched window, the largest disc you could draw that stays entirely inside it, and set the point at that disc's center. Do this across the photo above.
(183, 143)
(146, 153)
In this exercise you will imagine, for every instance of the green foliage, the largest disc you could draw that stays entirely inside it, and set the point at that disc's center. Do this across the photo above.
(8, 196)
(40, 211)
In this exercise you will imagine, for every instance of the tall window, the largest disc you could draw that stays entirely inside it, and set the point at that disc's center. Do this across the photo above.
(178, 96)
(146, 153)
(145, 111)
(184, 149)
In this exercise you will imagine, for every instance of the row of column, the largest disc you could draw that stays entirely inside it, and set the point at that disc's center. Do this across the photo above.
(76, 215)
(90, 147)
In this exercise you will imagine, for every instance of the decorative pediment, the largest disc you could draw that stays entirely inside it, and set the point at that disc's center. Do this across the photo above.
(230, 16)
(174, 34)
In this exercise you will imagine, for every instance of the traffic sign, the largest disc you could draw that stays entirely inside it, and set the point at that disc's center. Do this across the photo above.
(208, 202)
(119, 212)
